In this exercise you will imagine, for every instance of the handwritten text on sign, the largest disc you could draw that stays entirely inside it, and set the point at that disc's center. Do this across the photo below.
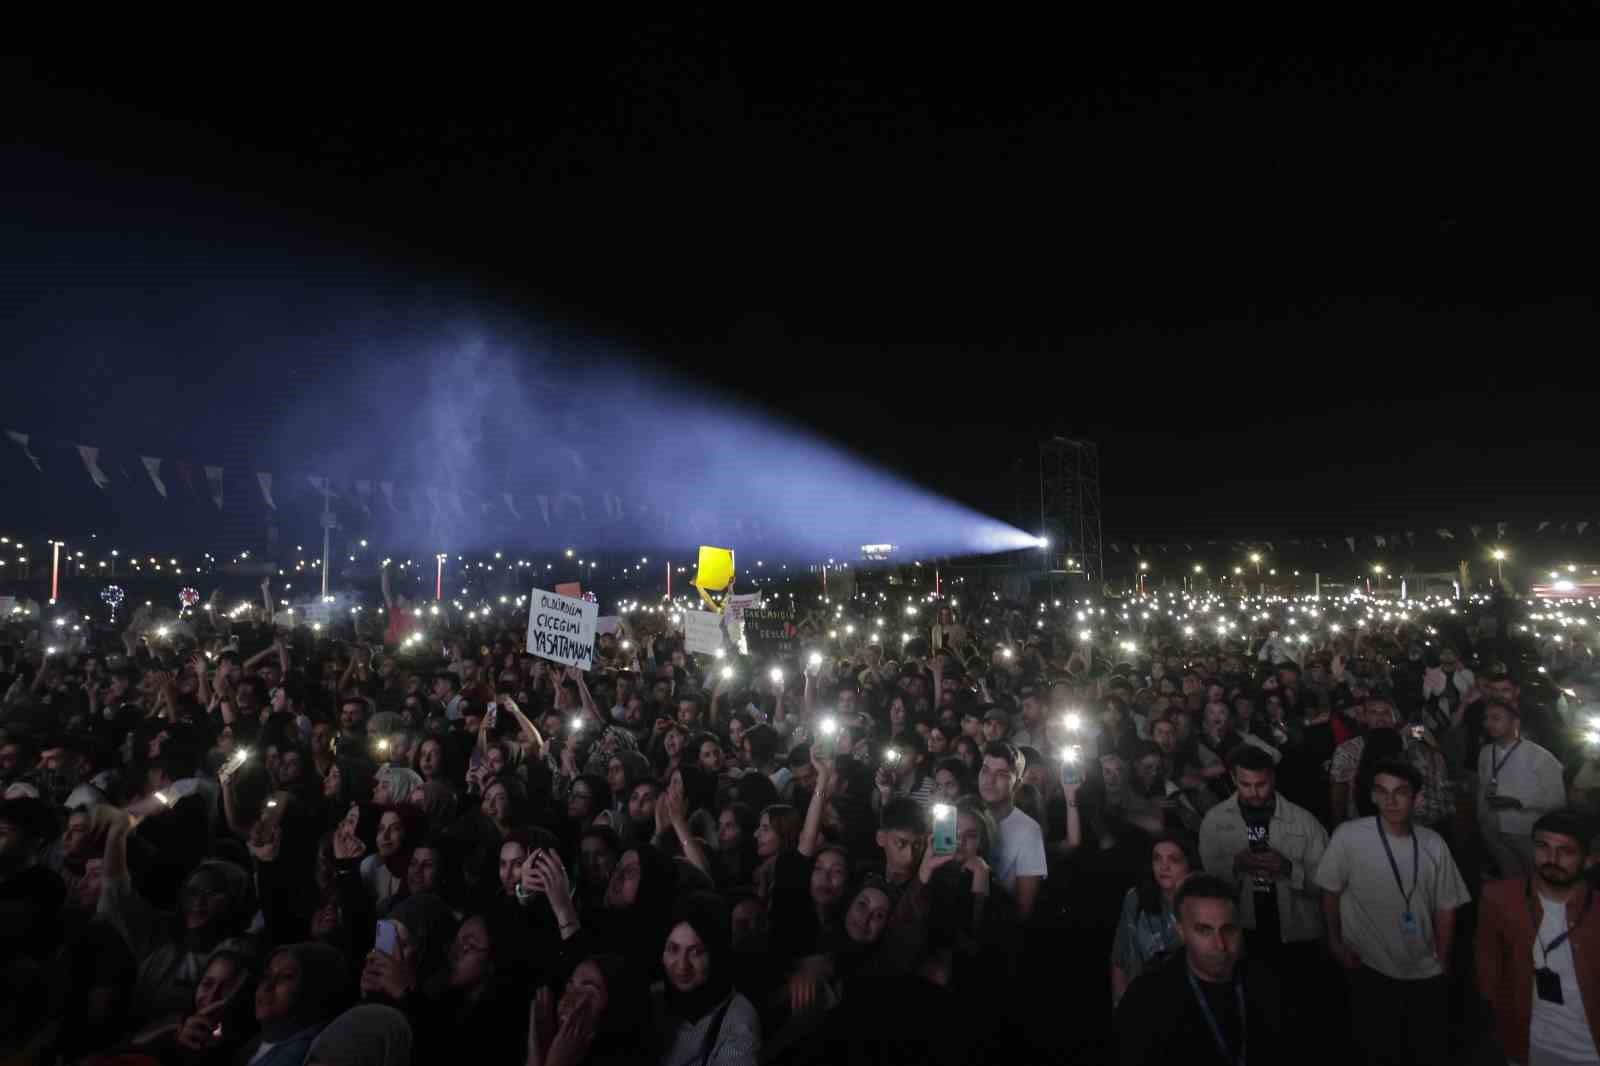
(561, 628)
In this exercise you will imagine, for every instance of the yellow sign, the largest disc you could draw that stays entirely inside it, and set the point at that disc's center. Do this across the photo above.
(714, 573)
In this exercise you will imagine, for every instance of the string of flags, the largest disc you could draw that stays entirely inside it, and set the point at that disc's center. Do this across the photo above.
(369, 496)
(1391, 541)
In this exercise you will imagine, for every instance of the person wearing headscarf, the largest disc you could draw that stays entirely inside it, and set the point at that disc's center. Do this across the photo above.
(631, 920)
(391, 785)
(302, 987)
(216, 901)
(700, 1018)
(367, 1035)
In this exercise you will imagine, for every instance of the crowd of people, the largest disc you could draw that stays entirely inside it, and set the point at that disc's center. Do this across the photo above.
(1096, 830)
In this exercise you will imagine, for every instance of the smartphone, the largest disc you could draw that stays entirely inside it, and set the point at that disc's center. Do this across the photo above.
(1416, 732)
(1072, 766)
(944, 829)
(388, 940)
(823, 745)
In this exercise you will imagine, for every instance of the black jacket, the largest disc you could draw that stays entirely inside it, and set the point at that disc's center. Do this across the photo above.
(1159, 1019)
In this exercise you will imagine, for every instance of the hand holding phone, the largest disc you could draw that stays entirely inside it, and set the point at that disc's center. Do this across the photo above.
(944, 829)
(387, 939)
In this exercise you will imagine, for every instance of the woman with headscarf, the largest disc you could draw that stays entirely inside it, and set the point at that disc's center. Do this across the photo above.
(392, 784)
(596, 1022)
(169, 950)
(700, 1018)
(302, 987)
(633, 916)
(367, 1035)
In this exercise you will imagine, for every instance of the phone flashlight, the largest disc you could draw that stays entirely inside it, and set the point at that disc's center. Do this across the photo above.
(727, 673)
(891, 755)
(1070, 755)
(776, 675)
(577, 725)
(1073, 721)
(51, 650)
(166, 801)
(816, 659)
(626, 645)
(241, 756)
(383, 744)
(272, 803)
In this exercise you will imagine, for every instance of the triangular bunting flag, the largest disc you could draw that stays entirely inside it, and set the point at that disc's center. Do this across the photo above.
(364, 493)
(544, 508)
(1381, 541)
(1582, 526)
(91, 463)
(1475, 530)
(1271, 547)
(1542, 526)
(1352, 542)
(214, 478)
(1500, 529)
(455, 502)
(1411, 537)
(388, 494)
(265, 481)
(1445, 534)
(510, 506)
(22, 442)
(152, 466)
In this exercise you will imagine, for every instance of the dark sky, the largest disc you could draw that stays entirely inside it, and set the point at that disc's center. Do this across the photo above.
(1284, 274)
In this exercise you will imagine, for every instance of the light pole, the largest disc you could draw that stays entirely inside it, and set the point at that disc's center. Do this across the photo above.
(1143, 566)
(1261, 588)
(1499, 563)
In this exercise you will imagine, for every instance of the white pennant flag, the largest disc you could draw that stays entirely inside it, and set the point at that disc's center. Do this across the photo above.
(583, 514)
(91, 462)
(1475, 530)
(433, 499)
(388, 494)
(1380, 540)
(364, 492)
(214, 476)
(1500, 528)
(506, 496)
(455, 501)
(544, 508)
(153, 468)
(1352, 542)
(22, 442)
(1542, 526)
(1582, 526)
(265, 481)
(1445, 534)
(319, 483)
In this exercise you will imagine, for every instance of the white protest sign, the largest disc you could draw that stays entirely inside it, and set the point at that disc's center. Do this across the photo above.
(561, 628)
(702, 632)
(737, 604)
(607, 624)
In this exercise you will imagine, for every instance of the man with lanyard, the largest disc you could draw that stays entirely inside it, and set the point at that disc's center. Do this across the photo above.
(1392, 890)
(1517, 782)
(1538, 952)
(1200, 1006)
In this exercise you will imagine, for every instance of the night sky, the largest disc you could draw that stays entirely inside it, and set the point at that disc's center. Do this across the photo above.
(1286, 276)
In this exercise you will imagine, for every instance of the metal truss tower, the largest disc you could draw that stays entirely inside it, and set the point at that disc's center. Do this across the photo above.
(1069, 507)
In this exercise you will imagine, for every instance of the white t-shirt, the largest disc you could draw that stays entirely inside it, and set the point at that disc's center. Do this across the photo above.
(1020, 850)
(1561, 1029)
(1371, 905)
